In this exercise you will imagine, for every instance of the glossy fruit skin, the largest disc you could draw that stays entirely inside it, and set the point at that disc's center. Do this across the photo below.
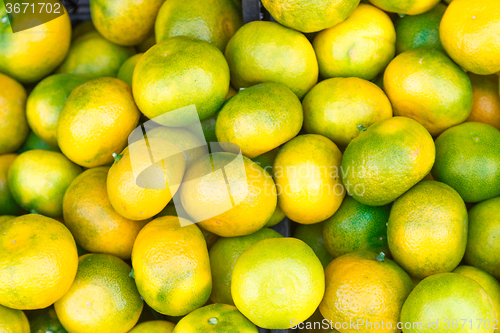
(214, 21)
(482, 248)
(312, 235)
(277, 280)
(33, 142)
(39, 262)
(8, 205)
(310, 16)
(125, 22)
(93, 56)
(356, 226)
(139, 188)
(185, 139)
(308, 181)
(13, 321)
(468, 33)
(223, 255)
(486, 281)
(451, 296)
(215, 318)
(126, 71)
(386, 160)
(337, 107)
(293, 61)
(467, 159)
(13, 125)
(103, 297)
(46, 321)
(429, 87)
(361, 46)
(46, 101)
(159, 81)
(486, 100)
(96, 120)
(30, 55)
(276, 218)
(171, 266)
(260, 118)
(358, 286)
(38, 180)
(420, 31)
(414, 229)
(204, 194)
(157, 326)
(408, 7)
(96, 226)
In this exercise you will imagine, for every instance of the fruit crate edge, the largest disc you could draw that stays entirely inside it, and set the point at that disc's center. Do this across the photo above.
(252, 11)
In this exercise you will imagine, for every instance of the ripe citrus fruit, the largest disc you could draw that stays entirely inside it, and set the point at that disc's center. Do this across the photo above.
(171, 210)
(356, 226)
(277, 280)
(420, 31)
(247, 207)
(386, 160)
(223, 256)
(361, 46)
(125, 22)
(276, 218)
(312, 235)
(96, 121)
(94, 223)
(214, 21)
(13, 321)
(308, 179)
(483, 250)
(187, 141)
(46, 321)
(30, 55)
(103, 297)
(33, 142)
(215, 318)
(171, 266)
(413, 7)
(82, 29)
(157, 326)
(415, 229)
(180, 72)
(427, 86)
(254, 57)
(93, 56)
(5, 218)
(468, 159)
(443, 301)
(486, 100)
(486, 281)
(266, 160)
(337, 108)
(469, 33)
(39, 262)
(139, 187)
(46, 101)
(13, 125)
(310, 16)
(126, 71)
(260, 118)
(8, 205)
(362, 287)
(38, 180)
